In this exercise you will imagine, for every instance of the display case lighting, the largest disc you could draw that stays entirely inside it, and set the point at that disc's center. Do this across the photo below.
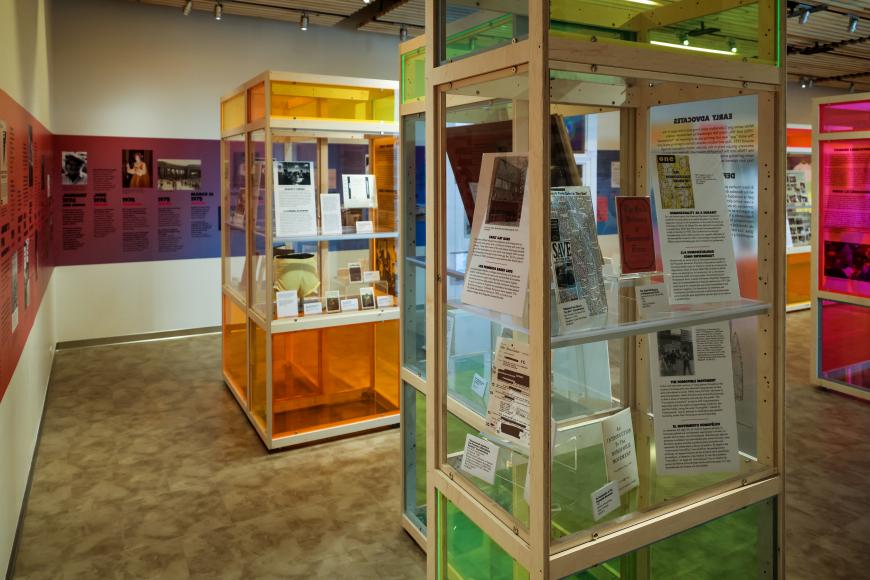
(805, 16)
(732, 45)
(853, 23)
(188, 6)
(684, 39)
(403, 33)
(303, 22)
(686, 46)
(218, 10)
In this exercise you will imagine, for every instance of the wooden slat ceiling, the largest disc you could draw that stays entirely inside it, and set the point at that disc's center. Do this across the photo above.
(838, 67)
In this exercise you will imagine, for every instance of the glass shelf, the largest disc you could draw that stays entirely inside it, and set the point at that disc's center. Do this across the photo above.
(348, 233)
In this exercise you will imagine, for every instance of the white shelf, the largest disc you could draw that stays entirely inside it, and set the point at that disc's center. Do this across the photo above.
(327, 320)
(348, 234)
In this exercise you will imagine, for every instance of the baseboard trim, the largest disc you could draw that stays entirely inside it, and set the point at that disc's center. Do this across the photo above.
(145, 337)
(13, 556)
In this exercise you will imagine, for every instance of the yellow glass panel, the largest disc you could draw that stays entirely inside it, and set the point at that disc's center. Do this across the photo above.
(311, 101)
(235, 360)
(387, 363)
(233, 112)
(256, 102)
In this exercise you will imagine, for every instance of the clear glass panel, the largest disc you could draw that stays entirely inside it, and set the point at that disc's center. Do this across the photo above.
(414, 240)
(471, 28)
(740, 30)
(261, 295)
(483, 120)
(844, 217)
(259, 344)
(844, 343)
(296, 100)
(470, 553)
(839, 117)
(414, 451)
(235, 216)
(413, 75)
(233, 112)
(256, 102)
(741, 544)
(235, 346)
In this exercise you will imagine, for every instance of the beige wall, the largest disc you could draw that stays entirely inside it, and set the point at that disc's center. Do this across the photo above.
(799, 102)
(24, 75)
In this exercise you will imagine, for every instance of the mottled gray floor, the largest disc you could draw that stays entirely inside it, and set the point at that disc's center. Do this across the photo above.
(147, 469)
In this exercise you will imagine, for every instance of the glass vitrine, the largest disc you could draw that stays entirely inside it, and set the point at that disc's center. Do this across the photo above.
(841, 245)
(605, 299)
(310, 268)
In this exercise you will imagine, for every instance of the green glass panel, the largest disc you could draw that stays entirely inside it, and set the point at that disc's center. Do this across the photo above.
(414, 420)
(414, 75)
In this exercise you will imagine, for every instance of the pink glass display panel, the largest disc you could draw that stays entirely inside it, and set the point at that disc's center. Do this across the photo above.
(840, 117)
(844, 217)
(845, 343)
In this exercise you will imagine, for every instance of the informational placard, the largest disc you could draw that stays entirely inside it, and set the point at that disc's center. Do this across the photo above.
(330, 213)
(124, 199)
(312, 306)
(371, 276)
(479, 458)
(695, 229)
(619, 453)
(385, 301)
(507, 411)
(349, 304)
(360, 191)
(365, 227)
(605, 500)
(637, 250)
(478, 385)
(295, 208)
(287, 303)
(693, 400)
(497, 276)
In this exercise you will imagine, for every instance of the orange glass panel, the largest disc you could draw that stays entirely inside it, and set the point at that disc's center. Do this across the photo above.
(332, 376)
(233, 112)
(338, 103)
(235, 360)
(798, 137)
(798, 278)
(259, 344)
(256, 102)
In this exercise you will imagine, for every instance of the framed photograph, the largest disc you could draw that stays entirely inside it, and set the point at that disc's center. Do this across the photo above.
(354, 271)
(333, 301)
(136, 168)
(367, 297)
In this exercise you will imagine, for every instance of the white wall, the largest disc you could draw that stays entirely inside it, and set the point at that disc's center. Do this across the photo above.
(24, 75)
(799, 102)
(148, 71)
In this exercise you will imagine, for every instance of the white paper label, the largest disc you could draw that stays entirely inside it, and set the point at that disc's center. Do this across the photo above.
(605, 500)
(651, 299)
(312, 307)
(478, 385)
(385, 301)
(366, 227)
(330, 213)
(349, 304)
(619, 454)
(359, 190)
(288, 303)
(479, 458)
(371, 276)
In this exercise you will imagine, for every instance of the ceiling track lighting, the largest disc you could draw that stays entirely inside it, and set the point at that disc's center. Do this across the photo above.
(732, 45)
(853, 23)
(806, 82)
(218, 11)
(403, 33)
(851, 87)
(188, 6)
(684, 39)
(805, 16)
(303, 22)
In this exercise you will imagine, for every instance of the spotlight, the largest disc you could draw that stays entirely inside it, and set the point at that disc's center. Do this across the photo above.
(805, 16)
(218, 11)
(684, 39)
(853, 23)
(366, 2)
(732, 45)
(303, 22)
(403, 33)
(188, 6)
(804, 82)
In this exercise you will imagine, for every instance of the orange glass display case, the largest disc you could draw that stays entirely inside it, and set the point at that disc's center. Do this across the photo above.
(309, 270)
(799, 203)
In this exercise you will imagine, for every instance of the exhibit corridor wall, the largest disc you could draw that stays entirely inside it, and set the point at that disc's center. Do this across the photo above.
(24, 77)
(149, 72)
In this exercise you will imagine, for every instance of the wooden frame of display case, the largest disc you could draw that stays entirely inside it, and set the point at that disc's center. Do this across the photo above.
(367, 112)
(853, 325)
(532, 549)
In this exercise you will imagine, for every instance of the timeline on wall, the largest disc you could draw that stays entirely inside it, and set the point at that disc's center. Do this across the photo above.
(133, 200)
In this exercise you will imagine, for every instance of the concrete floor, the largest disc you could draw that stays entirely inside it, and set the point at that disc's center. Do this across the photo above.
(147, 469)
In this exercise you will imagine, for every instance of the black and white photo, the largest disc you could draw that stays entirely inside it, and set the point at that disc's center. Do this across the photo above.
(74, 168)
(179, 174)
(293, 172)
(676, 352)
(508, 188)
(367, 297)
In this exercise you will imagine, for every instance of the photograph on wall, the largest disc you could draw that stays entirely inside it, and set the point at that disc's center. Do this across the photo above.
(4, 163)
(74, 168)
(30, 156)
(14, 291)
(179, 174)
(26, 270)
(137, 168)
(847, 261)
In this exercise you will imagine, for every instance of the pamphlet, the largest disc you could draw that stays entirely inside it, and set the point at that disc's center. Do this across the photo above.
(295, 207)
(693, 400)
(619, 452)
(605, 500)
(498, 263)
(636, 247)
(367, 297)
(507, 411)
(330, 213)
(575, 257)
(479, 458)
(333, 298)
(360, 191)
(287, 303)
(349, 304)
(695, 229)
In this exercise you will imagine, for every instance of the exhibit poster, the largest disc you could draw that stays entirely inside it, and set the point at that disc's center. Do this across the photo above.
(125, 199)
(4, 164)
(497, 275)
(844, 217)
(637, 251)
(693, 400)
(575, 258)
(507, 410)
(360, 191)
(695, 229)
(294, 199)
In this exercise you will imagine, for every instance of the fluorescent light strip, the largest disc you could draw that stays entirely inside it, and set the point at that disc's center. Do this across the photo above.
(646, 2)
(695, 48)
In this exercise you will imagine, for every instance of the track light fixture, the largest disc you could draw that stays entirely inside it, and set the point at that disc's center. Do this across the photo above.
(732, 45)
(218, 10)
(303, 22)
(403, 33)
(188, 6)
(805, 16)
(851, 87)
(804, 82)
(684, 39)
(853, 23)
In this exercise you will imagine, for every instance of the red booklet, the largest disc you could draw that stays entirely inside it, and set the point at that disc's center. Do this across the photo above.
(636, 246)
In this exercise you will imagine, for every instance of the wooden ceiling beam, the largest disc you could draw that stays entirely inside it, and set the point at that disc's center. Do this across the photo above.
(369, 13)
